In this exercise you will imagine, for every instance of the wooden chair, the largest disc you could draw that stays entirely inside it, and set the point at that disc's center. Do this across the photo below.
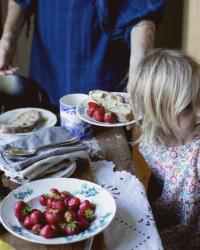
(141, 166)
(153, 188)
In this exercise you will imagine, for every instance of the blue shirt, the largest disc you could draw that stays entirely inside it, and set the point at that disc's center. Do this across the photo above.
(81, 45)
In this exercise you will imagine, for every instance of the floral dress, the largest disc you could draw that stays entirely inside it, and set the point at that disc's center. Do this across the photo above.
(177, 209)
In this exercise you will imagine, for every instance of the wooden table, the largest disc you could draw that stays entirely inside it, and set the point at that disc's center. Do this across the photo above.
(115, 147)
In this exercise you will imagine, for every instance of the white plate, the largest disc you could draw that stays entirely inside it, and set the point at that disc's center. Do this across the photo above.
(66, 171)
(49, 118)
(81, 111)
(30, 192)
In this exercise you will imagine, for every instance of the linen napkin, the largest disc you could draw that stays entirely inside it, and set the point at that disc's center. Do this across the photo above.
(46, 161)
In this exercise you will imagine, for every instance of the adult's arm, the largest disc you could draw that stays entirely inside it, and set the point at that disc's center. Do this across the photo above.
(131, 22)
(141, 42)
(12, 27)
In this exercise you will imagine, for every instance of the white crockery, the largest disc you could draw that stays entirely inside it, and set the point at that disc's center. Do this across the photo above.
(49, 118)
(70, 120)
(81, 111)
(30, 192)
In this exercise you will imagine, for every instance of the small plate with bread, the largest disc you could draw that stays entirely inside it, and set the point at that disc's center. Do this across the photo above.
(23, 121)
(107, 109)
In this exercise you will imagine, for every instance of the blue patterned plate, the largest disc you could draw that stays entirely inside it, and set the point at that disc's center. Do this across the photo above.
(30, 192)
(81, 111)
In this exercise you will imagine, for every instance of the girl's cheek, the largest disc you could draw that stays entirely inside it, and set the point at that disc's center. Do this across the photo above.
(186, 123)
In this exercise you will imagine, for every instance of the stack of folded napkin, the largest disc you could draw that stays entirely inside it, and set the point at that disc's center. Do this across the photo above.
(51, 162)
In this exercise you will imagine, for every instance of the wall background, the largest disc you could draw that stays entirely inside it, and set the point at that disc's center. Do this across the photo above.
(169, 33)
(191, 24)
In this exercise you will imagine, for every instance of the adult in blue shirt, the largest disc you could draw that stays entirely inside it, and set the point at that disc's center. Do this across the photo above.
(81, 45)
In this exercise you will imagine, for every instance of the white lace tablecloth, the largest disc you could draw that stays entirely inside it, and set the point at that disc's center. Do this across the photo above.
(134, 226)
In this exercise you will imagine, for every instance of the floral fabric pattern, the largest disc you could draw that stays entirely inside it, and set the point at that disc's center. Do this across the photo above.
(177, 209)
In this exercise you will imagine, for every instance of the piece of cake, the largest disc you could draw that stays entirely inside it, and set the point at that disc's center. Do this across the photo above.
(114, 103)
(22, 123)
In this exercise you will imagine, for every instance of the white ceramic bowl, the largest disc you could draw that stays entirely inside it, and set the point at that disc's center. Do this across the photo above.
(30, 192)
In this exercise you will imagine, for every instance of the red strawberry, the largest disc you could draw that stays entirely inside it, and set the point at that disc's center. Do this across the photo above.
(74, 203)
(98, 114)
(27, 222)
(63, 226)
(58, 205)
(70, 216)
(43, 200)
(110, 117)
(92, 106)
(81, 213)
(53, 216)
(85, 204)
(51, 200)
(83, 224)
(21, 209)
(89, 214)
(90, 112)
(66, 200)
(72, 228)
(57, 229)
(64, 194)
(37, 228)
(55, 191)
(37, 217)
(47, 232)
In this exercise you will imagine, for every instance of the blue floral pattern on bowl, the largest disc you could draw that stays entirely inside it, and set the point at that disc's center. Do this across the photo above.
(30, 192)
(88, 191)
(71, 122)
(23, 195)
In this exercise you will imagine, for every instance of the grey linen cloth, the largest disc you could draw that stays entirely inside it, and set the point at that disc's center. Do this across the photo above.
(45, 159)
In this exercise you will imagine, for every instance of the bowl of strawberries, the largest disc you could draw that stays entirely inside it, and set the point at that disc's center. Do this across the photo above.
(57, 211)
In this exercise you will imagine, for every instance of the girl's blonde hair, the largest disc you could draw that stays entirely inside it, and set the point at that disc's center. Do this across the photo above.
(164, 83)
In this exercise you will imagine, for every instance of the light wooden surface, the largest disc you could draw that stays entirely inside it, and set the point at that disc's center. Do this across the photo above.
(116, 149)
(114, 144)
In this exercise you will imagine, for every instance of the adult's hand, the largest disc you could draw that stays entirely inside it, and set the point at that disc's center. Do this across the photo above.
(14, 22)
(7, 52)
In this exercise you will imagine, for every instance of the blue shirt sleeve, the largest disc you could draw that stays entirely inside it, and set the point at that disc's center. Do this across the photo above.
(29, 6)
(118, 19)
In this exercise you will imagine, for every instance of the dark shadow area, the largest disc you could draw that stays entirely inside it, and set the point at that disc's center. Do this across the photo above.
(169, 33)
(18, 91)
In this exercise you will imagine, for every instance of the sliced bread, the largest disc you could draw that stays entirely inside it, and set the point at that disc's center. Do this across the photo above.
(22, 123)
(114, 103)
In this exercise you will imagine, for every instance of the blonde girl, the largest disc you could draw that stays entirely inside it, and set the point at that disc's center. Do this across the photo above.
(165, 92)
